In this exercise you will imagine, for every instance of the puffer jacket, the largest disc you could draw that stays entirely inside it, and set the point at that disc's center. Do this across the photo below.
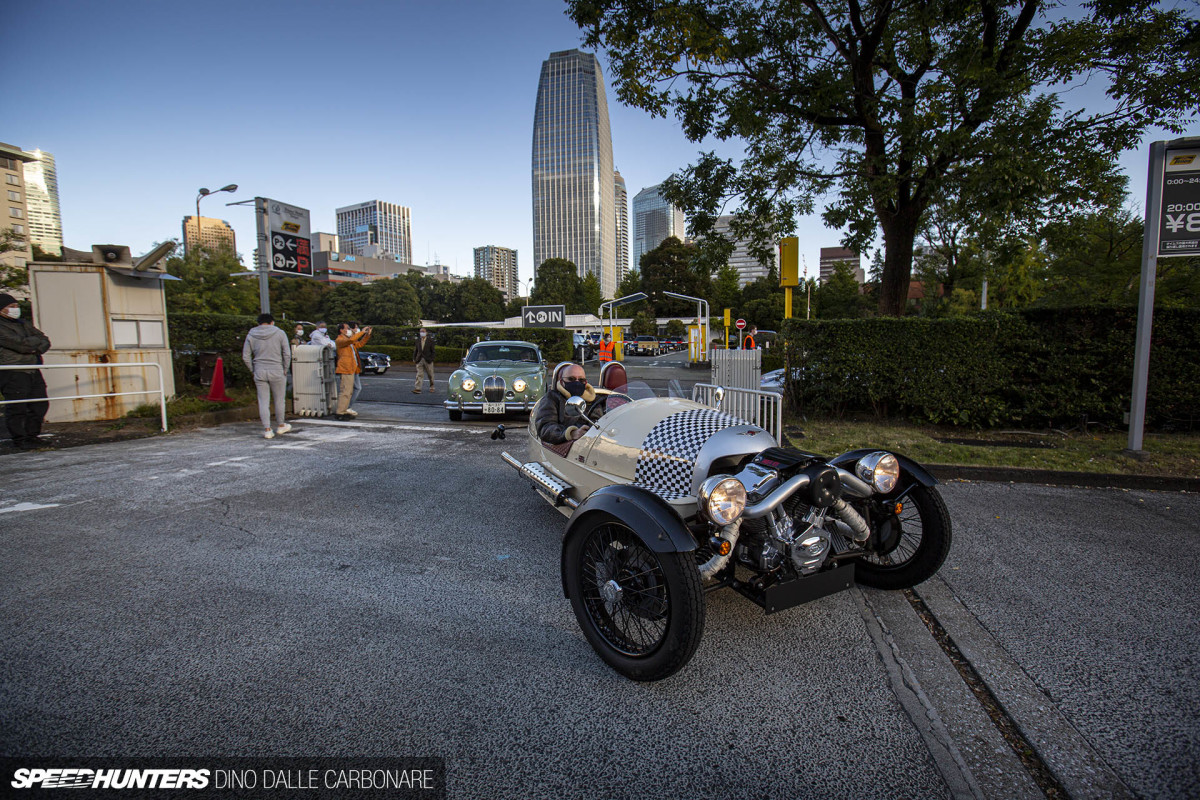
(20, 342)
(550, 414)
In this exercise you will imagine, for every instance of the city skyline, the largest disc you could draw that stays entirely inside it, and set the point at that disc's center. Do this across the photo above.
(450, 143)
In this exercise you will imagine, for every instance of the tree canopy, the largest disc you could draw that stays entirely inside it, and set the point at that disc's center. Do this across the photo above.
(895, 106)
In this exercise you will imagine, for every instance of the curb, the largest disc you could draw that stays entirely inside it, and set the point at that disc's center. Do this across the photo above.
(1162, 483)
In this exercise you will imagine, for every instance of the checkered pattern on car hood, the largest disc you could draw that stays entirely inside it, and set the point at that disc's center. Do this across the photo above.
(668, 453)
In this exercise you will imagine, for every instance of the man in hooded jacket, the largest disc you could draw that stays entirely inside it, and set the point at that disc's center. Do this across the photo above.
(21, 343)
(268, 355)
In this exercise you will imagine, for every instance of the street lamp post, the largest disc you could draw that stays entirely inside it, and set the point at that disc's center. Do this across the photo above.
(205, 193)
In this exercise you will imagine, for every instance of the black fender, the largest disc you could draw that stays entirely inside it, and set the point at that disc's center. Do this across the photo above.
(907, 466)
(656, 523)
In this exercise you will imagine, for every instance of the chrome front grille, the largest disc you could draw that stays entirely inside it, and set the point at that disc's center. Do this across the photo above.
(493, 389)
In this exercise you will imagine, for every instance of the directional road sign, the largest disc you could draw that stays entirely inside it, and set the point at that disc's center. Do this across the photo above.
(544, 316)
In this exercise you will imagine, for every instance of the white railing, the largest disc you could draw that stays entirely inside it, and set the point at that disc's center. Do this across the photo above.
(764, 409)
(160, 391)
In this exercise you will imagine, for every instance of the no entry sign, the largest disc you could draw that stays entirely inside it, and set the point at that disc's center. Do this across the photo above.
(741, 323)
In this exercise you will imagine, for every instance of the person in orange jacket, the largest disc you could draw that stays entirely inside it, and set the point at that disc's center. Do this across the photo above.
(347, 365)
(748, 343)
(606, 349)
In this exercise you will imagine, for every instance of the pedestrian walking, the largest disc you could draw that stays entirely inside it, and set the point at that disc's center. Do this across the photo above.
(423, 359)
(347, 368)
(21, 343)
(366, 334)
(268, 355)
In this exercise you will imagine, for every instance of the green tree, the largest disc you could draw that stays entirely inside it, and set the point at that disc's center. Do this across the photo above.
(643, 324)
(478, 301)
(41, 255)
(839, 296)
(590, 295)
(206, 284)
(1093, 257)
(514, 306)
(630, 284)
(671, 267)
(675, 327)
(347, 302)
(12, 276)
(557, 283)
(391, 301)
(726, 289)
(894, 106)
(297, 298)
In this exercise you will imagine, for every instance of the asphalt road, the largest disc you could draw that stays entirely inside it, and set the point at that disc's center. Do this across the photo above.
(378, 590)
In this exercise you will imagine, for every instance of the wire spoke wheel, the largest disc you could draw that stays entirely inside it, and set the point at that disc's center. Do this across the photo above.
(911, 546)
(642, 611)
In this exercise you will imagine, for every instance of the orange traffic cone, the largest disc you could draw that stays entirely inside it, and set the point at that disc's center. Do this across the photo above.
(217, 393)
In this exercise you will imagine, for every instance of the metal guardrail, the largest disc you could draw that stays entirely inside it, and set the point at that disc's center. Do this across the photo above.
(740, 369)
(160, 391)
(764, 409)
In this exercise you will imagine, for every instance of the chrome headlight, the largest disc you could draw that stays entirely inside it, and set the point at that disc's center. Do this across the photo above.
(519, 385)
(879, 469)
(722, 499)
(468, 384)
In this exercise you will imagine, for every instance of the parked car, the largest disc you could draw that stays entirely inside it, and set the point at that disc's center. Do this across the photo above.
(377, 363)
(672, 343)
(646, 346)
(584, 349)
(497, 378)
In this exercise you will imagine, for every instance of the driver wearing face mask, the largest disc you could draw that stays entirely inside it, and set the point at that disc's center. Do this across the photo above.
(551, 419)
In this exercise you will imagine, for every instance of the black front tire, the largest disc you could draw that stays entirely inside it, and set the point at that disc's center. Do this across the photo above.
(642, 611)
(455, 415)
(914, 555)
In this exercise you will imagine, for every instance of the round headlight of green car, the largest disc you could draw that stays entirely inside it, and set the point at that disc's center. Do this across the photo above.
(519, 385)
(722, 499)
(468, 384)
(879, 469)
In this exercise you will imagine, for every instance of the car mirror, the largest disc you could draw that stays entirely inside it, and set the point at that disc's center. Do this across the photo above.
(576, 406)
(717, 396)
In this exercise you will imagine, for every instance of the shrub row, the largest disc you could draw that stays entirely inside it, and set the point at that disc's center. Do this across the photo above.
(1030, 367)
(224, 334)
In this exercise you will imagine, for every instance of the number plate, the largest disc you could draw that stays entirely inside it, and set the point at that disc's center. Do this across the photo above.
(493, 408)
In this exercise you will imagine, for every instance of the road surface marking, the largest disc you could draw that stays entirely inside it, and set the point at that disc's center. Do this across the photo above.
(28, 507)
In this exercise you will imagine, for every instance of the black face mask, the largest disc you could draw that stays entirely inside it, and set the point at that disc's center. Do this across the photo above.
(576, 388)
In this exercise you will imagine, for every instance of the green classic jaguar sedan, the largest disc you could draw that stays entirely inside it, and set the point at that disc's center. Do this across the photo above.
(496, 378)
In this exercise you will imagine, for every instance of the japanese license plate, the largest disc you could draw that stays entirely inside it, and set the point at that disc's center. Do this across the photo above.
(493, 408)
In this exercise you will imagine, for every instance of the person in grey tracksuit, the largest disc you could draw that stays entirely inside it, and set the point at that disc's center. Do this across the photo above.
(268, 355)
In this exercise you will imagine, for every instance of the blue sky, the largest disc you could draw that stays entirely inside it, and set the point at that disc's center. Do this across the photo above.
(320, 104)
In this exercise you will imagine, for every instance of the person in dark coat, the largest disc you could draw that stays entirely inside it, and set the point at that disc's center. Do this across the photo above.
(423, 359)
(550, 418)
(20, 344)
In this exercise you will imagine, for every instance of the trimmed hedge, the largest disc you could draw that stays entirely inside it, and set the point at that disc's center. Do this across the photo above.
(1032, 367)
(224, 334)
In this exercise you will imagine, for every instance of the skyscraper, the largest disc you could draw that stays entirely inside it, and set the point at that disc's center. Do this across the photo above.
(375, 229)
(213, 235)
(621, 202)
(12, 163)
(573, 213)
(498, 266)
(654, 219)
(41, 197)
(748, 267)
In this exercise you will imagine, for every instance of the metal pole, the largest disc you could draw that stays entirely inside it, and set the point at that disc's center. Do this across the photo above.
(197, 242)
(264, 286)
(1141, 355)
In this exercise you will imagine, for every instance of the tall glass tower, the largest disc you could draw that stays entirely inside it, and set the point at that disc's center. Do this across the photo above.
(41, 195)
(376, 229)
(621, 199)
(573, 209)
(654, 219)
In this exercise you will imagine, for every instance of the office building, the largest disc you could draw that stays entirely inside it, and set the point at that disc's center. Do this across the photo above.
(41, 201)
(832, 256)
(498, 266)
(621, 203)
(573, 209)
(14, 215)
(213, 235)
(748, 267)
(376, 229)
(327, 242)
(654, 219)
(330, 266)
